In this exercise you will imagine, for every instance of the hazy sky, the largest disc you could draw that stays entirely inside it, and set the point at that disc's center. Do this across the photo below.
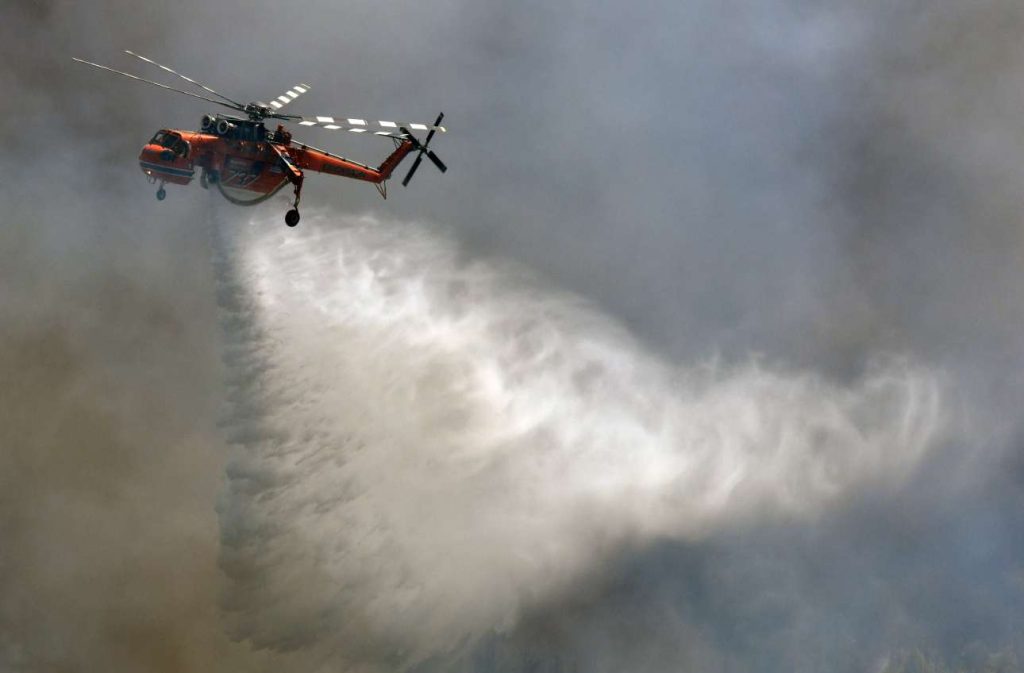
(815, 186)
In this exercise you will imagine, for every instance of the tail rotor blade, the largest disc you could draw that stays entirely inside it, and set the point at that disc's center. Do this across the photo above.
(415, 165)
(423, 148)
(430, 135)
(437, 162)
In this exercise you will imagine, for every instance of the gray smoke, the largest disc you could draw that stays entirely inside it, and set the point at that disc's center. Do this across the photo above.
(709, 204)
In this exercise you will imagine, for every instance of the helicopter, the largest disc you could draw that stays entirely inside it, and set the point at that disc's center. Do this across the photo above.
(249, 163)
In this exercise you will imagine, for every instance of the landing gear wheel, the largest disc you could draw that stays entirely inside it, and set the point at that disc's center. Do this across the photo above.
(161, 194)
(291, 218)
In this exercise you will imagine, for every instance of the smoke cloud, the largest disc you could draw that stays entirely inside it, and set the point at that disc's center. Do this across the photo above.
(704, 356)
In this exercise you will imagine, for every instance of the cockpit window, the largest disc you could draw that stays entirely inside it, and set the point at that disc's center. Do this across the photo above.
(171, 141)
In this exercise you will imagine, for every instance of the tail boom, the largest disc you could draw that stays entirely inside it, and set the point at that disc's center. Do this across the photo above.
(320, 161)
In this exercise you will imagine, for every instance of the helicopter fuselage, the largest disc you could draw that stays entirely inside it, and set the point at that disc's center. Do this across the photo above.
(244, 156)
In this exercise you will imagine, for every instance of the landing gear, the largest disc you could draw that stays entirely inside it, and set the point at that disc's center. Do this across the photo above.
(161, 193)
(294, 175)
(291, 218)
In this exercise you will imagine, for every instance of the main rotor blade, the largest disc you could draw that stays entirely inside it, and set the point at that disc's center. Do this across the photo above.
(284, 117)
(162, 86)
(289, 96)
(354, 125)
(184, 77)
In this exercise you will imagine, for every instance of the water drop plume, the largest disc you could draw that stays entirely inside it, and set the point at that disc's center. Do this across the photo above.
(427, 445)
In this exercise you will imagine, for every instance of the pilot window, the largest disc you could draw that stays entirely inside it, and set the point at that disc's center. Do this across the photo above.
(171, 141)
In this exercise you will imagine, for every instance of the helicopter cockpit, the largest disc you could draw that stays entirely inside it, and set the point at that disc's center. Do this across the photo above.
(171, 141)
(165, 158)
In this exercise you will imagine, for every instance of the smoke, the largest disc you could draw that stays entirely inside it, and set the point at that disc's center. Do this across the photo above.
(819, 202)
(431, 446)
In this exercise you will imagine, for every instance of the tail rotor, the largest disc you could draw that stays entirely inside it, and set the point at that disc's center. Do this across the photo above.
(423, 149)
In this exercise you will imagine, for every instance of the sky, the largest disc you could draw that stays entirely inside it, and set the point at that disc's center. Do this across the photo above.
(729, 242)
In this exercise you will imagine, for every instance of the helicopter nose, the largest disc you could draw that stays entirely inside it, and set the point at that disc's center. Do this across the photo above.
(160, 163)
(154, 153)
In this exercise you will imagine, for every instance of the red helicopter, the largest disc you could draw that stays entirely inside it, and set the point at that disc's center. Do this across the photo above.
(249, 163)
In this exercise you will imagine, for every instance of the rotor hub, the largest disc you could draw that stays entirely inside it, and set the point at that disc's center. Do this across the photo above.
(258, 111)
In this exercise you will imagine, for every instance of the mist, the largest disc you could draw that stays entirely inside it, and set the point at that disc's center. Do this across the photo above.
(705, 355)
